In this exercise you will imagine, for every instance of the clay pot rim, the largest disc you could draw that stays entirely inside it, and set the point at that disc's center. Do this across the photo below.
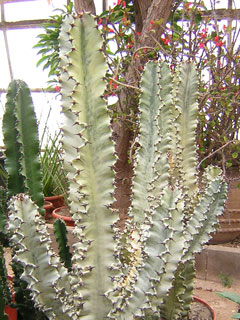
(47, 204)
(56, 215)
(49, 198)
(197, 299)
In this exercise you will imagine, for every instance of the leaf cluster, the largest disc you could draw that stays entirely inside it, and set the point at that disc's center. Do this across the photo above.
(48, 42)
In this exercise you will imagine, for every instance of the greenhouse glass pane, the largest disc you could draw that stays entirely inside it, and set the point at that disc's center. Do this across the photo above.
(4, 73)
(47, 107)
(30, 10)
(24, 58)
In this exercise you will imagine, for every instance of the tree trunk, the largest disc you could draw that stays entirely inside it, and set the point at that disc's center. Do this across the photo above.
(85, 5)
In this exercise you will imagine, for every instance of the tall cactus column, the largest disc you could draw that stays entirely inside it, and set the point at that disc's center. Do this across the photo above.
(89, 156)
(20, 132)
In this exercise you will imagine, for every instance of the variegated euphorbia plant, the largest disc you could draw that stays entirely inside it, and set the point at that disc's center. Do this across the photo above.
(146, 271)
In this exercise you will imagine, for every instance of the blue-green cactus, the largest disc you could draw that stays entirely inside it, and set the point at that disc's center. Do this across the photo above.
(145, 272)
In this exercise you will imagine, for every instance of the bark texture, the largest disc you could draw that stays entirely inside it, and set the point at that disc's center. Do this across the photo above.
(85, 6)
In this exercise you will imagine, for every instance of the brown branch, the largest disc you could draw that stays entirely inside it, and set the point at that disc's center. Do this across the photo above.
(125, 84)
(214, 152)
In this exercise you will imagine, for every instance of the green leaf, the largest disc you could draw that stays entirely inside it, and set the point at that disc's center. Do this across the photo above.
(230, 296)
(198, 18)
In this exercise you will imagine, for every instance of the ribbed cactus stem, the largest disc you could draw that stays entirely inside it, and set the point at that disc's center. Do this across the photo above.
(185, 91)
(60, 232)
(21, 143)
(146, 271)
(89, 154)
(46, 277)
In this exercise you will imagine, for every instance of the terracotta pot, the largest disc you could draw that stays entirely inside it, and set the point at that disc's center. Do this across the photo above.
(58, 213)
(11, 312)
(57, 201)
(196, 299)
(48, 207)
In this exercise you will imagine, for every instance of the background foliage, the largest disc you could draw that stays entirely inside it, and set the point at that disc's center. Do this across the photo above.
(191, 33)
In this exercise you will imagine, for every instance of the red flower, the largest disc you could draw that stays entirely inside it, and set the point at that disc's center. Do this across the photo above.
(138, 33)
(115, 86)
(216, 39)
(100, 21)
(118, 2)
(203, 35)
(110, 30)
(57, 88)
(201, 45)
(219, 44)
(124, 4)
(152, 22)
(165, 41)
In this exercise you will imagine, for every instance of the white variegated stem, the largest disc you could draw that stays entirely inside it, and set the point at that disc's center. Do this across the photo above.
(161, 255)
(146, 156)
(204, 218)
(46, 277)
(89, 156)
(185, 93)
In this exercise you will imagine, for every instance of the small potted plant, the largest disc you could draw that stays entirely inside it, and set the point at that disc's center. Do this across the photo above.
(53, 175)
